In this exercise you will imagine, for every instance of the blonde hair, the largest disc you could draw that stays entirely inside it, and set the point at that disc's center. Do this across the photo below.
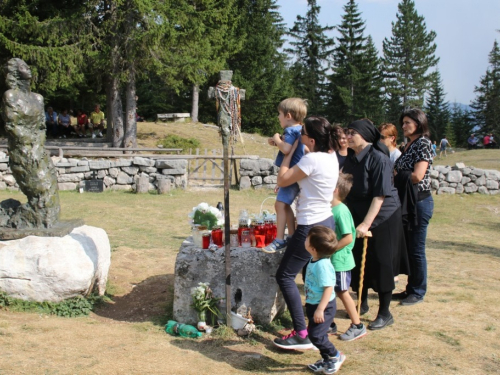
(344, 185)
(391, 131)
(296, 107)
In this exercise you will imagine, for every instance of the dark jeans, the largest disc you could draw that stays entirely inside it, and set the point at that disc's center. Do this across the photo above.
(51, 129)
(318, 332)
(417, 281)
(294, 259)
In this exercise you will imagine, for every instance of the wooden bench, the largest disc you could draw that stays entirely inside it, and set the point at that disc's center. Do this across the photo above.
(172, 117)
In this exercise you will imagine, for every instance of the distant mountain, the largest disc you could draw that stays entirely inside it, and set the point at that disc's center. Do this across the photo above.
(463, 107)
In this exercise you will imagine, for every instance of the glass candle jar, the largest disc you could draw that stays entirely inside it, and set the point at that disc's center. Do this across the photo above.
(246, 239)
(205, 239)
(233, 238)
(217, 236)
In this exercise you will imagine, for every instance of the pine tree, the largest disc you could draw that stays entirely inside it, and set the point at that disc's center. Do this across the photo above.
(486, 105)
(259, 67)
(408, 56)
(462, 124)
(437, 109)
(356, 80)
(312, 49)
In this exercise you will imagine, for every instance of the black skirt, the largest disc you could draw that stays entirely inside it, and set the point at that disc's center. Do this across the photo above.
(386, 255)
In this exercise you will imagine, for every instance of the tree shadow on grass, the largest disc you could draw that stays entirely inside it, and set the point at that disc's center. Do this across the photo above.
(244, 360)
(149, 301)
(464, 246)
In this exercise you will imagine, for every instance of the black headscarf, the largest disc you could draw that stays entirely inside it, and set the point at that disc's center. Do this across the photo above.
(370, 134)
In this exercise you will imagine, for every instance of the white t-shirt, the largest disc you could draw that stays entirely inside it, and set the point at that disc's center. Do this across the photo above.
(316, 190)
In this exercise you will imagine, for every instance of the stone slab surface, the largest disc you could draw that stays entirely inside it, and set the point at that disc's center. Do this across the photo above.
(60, 229)
(253, 281)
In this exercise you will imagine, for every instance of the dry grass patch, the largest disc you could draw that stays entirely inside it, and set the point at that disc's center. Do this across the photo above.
(455, 331)
(483, 159)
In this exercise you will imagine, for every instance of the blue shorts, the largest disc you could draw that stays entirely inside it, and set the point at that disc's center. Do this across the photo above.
(343, 281)
(287, 194)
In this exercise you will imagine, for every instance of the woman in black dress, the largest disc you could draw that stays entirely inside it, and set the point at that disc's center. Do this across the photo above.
(374, 205)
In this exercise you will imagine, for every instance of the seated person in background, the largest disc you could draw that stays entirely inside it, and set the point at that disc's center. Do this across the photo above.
(64, 127)
(51, 122)
(82, 123)
(97, 122)
(493, 144)
(472, 142)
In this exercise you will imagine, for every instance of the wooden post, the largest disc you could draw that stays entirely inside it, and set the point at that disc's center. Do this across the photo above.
(226, 123)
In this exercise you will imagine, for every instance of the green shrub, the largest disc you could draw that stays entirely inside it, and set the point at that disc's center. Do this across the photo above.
(174, 141)
(70, 308)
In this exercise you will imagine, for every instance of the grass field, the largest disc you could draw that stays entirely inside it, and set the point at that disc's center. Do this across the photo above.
(455, 331)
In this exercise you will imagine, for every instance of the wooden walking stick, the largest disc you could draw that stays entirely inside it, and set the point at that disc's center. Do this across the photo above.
(362, 269)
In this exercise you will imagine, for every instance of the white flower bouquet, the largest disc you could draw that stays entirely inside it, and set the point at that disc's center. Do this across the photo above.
(204, 214)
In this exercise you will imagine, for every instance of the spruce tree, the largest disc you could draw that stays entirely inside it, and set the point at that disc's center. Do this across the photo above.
(408, 56)
(486, 105)
(312, 48)
(356, 81)
(437, 109)
(462, 124)
(260, 67)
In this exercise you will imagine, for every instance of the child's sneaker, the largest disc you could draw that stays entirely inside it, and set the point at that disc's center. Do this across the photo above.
(318, 366)
(353, 333)
(274, 246)
(332, 329)
(333, 364)
(294, 341)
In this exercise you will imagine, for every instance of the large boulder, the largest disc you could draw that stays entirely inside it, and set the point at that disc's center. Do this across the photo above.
(253, 281)
(55, 268)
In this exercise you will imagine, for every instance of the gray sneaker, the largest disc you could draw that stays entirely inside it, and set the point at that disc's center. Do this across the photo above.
(274, 246)
(318, 366)
(333, 364)
(353, 333)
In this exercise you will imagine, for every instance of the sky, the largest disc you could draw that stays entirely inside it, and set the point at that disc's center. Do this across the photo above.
(466, 31)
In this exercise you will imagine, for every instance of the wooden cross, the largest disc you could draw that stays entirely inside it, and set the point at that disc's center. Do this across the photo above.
(229, 121)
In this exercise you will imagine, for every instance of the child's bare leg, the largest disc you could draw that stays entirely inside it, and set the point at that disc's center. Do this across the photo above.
(281, 219)
(290, 220)
(349, 305)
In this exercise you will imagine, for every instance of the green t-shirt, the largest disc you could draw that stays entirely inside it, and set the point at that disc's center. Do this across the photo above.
(343, 260)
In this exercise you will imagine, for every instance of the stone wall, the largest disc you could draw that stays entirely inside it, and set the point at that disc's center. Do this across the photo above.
(117, 174)
(458, 179)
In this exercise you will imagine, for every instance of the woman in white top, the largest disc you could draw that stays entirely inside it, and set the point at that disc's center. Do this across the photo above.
(316, 173)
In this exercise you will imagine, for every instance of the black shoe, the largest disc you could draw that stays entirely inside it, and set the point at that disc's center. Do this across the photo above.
(412, 299)
(381, 322)
(364, 310)
(399, 296)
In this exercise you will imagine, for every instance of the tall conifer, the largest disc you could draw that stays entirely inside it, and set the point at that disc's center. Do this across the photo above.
(408, 56)
(437, 109)
(312, 48)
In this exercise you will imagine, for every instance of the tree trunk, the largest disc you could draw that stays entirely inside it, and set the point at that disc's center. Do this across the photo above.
(194, 108)
(130, 138)
(109, 111)
(116, 113)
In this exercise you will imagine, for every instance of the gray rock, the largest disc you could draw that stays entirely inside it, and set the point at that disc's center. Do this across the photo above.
(442, 169)
(480, 181)
(67, 186)
(9, 180)
(108, 181)
(265, 164)
(82, 163)
(102, 173)
(245, 172)
(83, 168)
(472, 177)
(170, 164)
(113, 172)
(121, 187)
(66, 164)
(459, 189)
(130, 170)
(124, 179)
(4, 160)
(453, 184)
(491, 184)
(143, 161)
(482, 190)
(173, 171)
(257, 180)
(465, 180)
(454, 176)
(147, 169)
(434, 184)
(443, 184)
(251, 165)
(470, 188)
(441, 177)
(121, 163)
(245, 183)
(466, 171)
(70, 177)
(433, 173)
(494, 192)
(270, 179)
(477, 172)
(4, 166)
(492, 174)
(55, 268)
(446, 190)
(99, 164)
(252, 286)
(460, 165)
(3, 185)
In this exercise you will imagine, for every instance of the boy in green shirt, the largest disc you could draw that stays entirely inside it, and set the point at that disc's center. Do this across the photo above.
(343, 260)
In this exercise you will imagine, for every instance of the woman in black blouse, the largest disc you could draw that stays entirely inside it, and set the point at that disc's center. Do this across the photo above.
(412, 178)
(374, 205)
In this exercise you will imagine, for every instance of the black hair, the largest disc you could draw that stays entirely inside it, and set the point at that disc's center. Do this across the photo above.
(420, 119)
(324, 134)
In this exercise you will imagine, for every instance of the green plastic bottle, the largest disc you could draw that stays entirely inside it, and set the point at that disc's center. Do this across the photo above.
(184, 330)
